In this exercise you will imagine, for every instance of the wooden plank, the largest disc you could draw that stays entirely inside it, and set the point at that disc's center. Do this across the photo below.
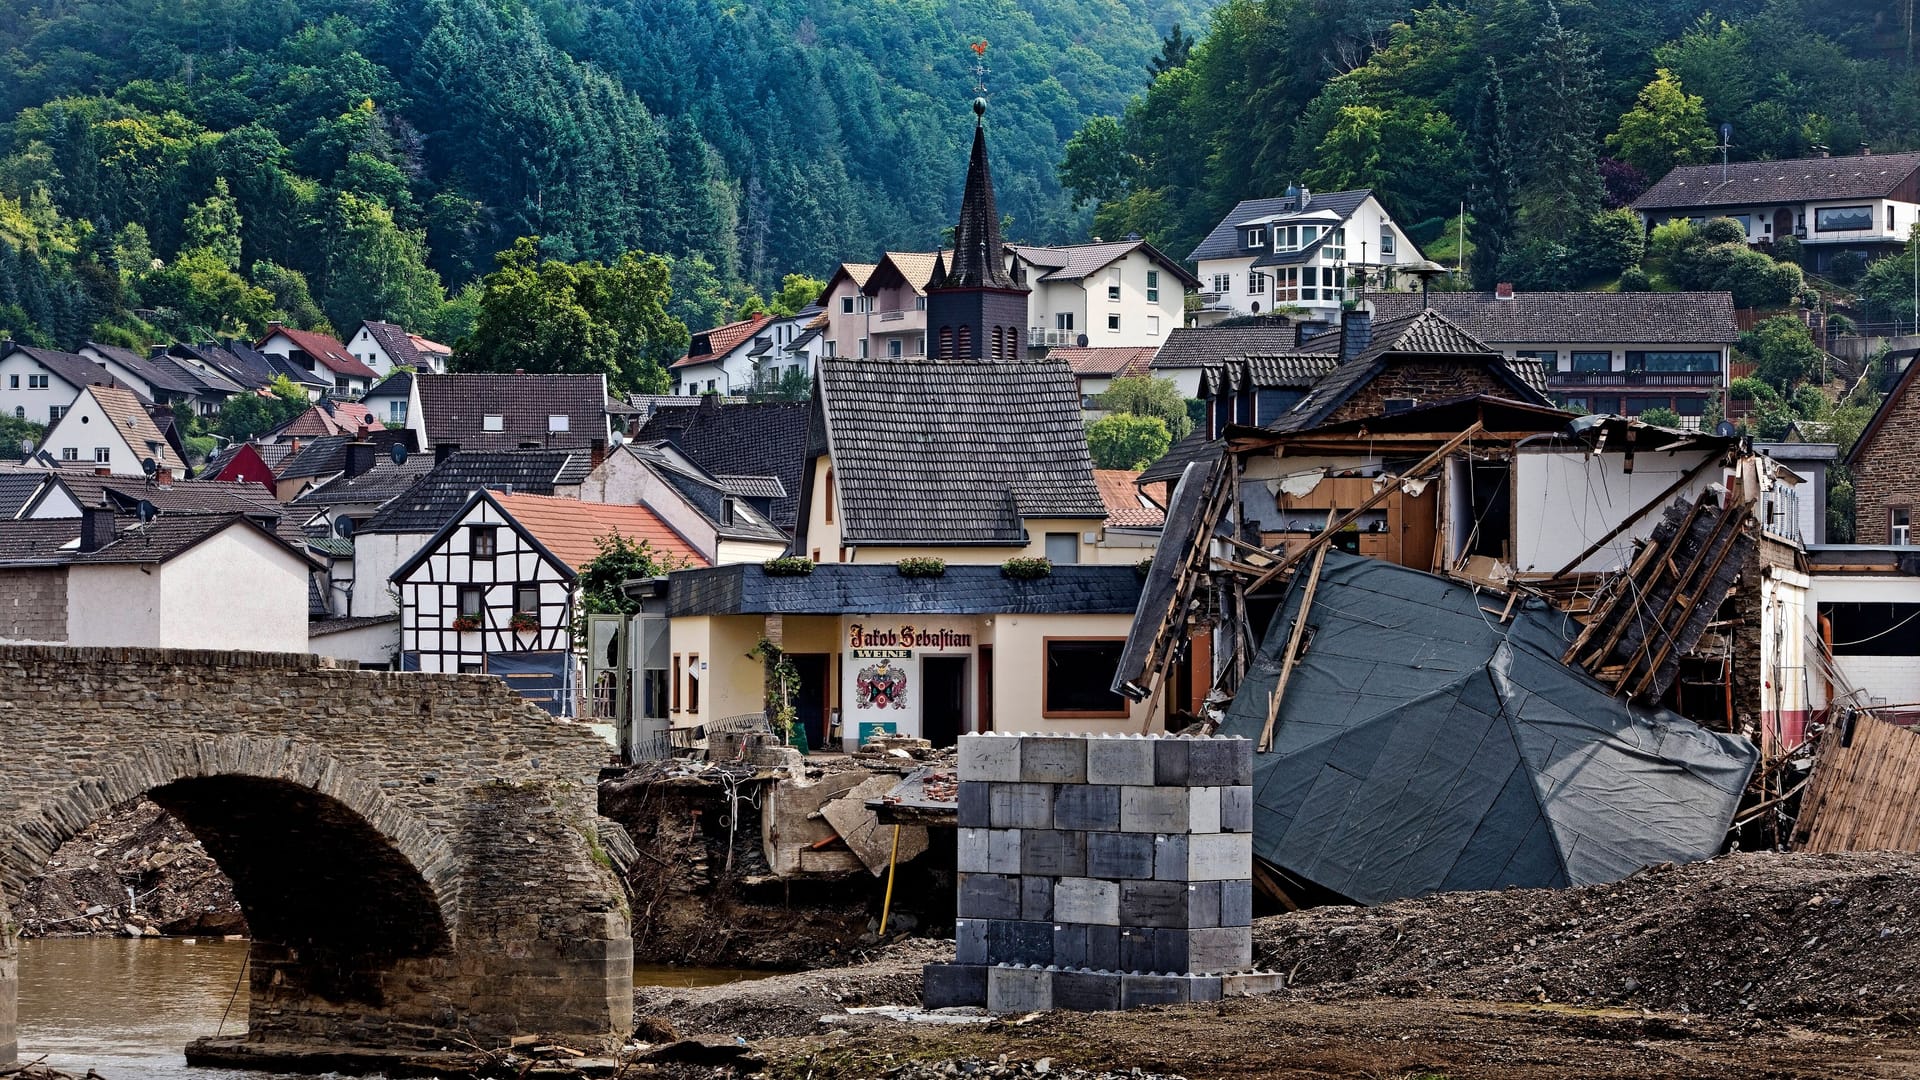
(1293, 651)
(1864, 796)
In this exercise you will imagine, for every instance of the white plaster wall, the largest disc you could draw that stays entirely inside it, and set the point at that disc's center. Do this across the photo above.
(1019, 662)
(87, 428)
(59, 392)
(375, 557)
(624, 480)
(369, 645)
(1892, 679)
(118, 605)
(237, 590)
(1565, 500)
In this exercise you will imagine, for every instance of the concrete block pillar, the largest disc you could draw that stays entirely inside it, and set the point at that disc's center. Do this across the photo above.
(9, 986)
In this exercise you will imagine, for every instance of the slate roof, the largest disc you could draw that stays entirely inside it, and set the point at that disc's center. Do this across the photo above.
(402, 348)
(1125, 505)
(837, 588)
(1199, 346)
(326, 351)
(1224, 241)
(76, 370)
(709, 345)
(161, 375)
(1105, 360)
(46, 542)
(707, 495)
(212, 380)
(1076, 262)
(126, 492)
(221, 368)
(341, 623)
(1195, 447)
(1286, 372)
(327, 454)
(454, 408)
(954, 452)
(16, 490)
(37, 542)
(979, 254)
(569, 528)
(753, 487)
(435, 497)
(378, 485)
(756, 439)
(1797, 180)
(398, 384)
(1573, 317)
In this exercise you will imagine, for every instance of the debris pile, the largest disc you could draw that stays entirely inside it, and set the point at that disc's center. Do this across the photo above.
(134, 872)
(792, 1004)
(1039, 1067)
(1758, 935)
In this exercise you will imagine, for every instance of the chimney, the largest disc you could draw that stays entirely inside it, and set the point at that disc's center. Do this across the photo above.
(359, 456)
(1356, 330)
(598, 452)
(519, 371)
(1306, 196)
(1866, 150)
(96, 528)
(709, 401)
(1503, 291)
(102, 470)
(294, 446)
(443, 451)
(163, 476)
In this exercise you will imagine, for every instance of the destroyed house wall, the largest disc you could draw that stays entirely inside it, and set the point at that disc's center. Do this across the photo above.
(1419, 380)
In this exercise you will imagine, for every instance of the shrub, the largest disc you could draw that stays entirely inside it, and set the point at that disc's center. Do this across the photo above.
(1660, 417)
(1143, 567)
(1634, 279)
(1538, 266)
(1757, 281)
(1722, 230)
(1610, 242)
(1840, 324)
(1788, 249)
(1782, 350)
(789, 566)
(926, 567)
(1671, 238)
(1026, 569)
(1125, 441)
(1748, 388)
(1847, 267)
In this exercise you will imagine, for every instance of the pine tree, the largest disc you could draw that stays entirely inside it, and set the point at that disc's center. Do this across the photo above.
(1491, 195)
(1557, 110)
(1175, 48)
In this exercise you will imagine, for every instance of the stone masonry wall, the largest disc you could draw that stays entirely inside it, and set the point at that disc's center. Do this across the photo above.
(1424, 381)
(1886, 473)
(33, 605)
(490, 800)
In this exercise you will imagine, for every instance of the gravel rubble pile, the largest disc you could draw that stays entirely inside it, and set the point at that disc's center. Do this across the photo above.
(1040, 1067)
(134, 872)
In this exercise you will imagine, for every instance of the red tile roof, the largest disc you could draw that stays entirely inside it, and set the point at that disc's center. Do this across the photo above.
(335, 418)
(325, 350)
(569, 527)
(722, 340)
(1125, 505)
(1116, 361)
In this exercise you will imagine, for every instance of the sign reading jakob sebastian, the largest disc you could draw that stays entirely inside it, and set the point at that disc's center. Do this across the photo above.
(885, 660)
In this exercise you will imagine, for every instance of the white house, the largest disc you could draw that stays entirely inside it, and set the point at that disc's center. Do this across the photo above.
(39, 385)
(383, 346)
(179, 581)
(154, 378)
(108, 428)
(753, 355)
(321, 355)
(1300, 251)
(723, 527)
(1103, 295)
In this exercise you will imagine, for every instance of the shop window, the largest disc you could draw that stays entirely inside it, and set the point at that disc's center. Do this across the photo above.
(1078, 677)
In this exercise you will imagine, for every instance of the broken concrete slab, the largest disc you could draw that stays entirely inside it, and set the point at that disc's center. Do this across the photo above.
(861, 828)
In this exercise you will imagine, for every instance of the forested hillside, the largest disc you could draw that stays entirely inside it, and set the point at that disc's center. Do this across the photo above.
(176, 167)
(1535, 115)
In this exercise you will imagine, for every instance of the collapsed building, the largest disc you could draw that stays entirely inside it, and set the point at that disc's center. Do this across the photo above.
(1545, 648)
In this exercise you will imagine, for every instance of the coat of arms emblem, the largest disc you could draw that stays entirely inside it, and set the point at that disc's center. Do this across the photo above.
(880, 686)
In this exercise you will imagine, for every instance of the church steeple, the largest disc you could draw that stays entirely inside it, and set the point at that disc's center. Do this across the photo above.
(976, 308)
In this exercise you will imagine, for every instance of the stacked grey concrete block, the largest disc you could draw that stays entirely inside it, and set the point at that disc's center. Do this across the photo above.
(1102, 872)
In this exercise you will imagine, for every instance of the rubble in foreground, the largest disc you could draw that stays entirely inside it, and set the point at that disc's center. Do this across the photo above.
(136, 871)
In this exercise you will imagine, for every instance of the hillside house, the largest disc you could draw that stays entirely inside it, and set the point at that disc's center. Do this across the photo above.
(320, 356)
(1867, 203)
(739, 440)
(1886, 486)
(108, 430)
(510, 412)
(720, 520)
(155, 379)
(1300, 251)
(40, 385)
(1124, 294)
(1189, 351)
(383, 346)
(752, 356)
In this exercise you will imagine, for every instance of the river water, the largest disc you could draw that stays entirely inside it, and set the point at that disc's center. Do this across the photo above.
(128, 1006)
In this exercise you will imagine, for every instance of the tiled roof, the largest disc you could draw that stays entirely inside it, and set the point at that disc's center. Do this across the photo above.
(1746, 183)
(758, 439)
(325, 351)
(1117, 361)
(1574, 317)
(753, 487)
(47, 542)
(398, 384)
(131, 422)
(342, 623)
(915, 266)
(400, 346)
(1199, 346)
(126, 492)
(329, 418)
(204, 381)
(16, 490)
(426, 506)
(1287, 372)
(220, 368)
(76, 370)
(1125, 505)
(1224, 241)
(1074, 262)
(1195, 447)
(1531, 371)
(327, 454)
(954, 451)
(163, 377)
(721, 340)
(570, 528)
(384, 482)
(455, 407)
(837, 588)
(979, 253)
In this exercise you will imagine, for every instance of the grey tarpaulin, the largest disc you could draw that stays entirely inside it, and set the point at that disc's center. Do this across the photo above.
(1425, 746)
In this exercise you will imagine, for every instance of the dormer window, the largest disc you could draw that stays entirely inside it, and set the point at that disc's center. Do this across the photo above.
(1256, 238)
(1386, 239)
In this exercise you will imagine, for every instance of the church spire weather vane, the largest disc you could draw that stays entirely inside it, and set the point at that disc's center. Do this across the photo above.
(979, 78)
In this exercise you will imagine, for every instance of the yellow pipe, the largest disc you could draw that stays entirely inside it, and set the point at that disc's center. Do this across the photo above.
(886, 906)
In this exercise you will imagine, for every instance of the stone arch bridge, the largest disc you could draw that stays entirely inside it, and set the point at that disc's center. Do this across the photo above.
(418, 856)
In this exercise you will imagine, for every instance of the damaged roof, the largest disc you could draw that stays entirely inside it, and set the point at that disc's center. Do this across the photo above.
(1424, 745)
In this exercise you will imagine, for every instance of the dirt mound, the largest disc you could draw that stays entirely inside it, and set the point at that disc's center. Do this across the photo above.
(793, 1004)
(136, 870)
(1766, 935)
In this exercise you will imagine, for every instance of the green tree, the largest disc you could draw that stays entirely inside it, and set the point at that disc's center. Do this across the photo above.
(1611, 242)
(1783, 351)
(1493, 188)
(198, 295)
(1666, 127)
(796, 292)
(1098, 167)
(1405, 149)
(1145, 395)
(1175, 49)
(1561, 189)
(1125, 441)
(292, 300)
(1888, 285)
(214, 225)
(15, 431)
(620, 560)
(554, 316)
(375, 268)
(248, 415)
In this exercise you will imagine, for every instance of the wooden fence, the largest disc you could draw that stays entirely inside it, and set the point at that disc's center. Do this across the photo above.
(1862, 796)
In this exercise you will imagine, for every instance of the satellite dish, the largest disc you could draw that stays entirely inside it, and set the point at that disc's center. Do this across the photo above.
(1725, 429)
(1081, 341)
(343, 528)
(616, 439)
(145, 511)
(149, 466)
(398, 453)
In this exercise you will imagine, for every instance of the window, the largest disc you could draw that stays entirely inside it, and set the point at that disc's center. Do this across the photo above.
(1550, 358)
(36, 382)
(1222, 283)
(13, 382)
(1673, 361)
(1286, 284)
(69, 453)
(526, 600)
(866, 304)
(102, 455)
(1113, 323)
(1591, 361)
(1843, 219)
(340, 385)
(1874, 629)
(894, 347)
(846, 305)
(1308, 234)
(472, 601)
(863, 348)
(397, 411)
(1113, 285)
(919, 303)
(19, 412)
(1335, 249)
(1153, 326)
(1256, 283)
(482, 541)
(1063, 548)
(1690, 406)
(829, 503)
(1256, 238)
(469, 668)
(1153, 286)
(693, 682)
(1063, 320)
(676, 682)
(1893, 216)
(1900, 525)
(1286, 239)
(1386, 239)
(711, 386)
(1398, 404)
(1077, 678)
(493, 422)
(559, 422)
(55, 412)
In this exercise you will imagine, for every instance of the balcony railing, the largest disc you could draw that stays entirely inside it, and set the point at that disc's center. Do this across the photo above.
(892, 316)
(1633, 378)
(1042, 336)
